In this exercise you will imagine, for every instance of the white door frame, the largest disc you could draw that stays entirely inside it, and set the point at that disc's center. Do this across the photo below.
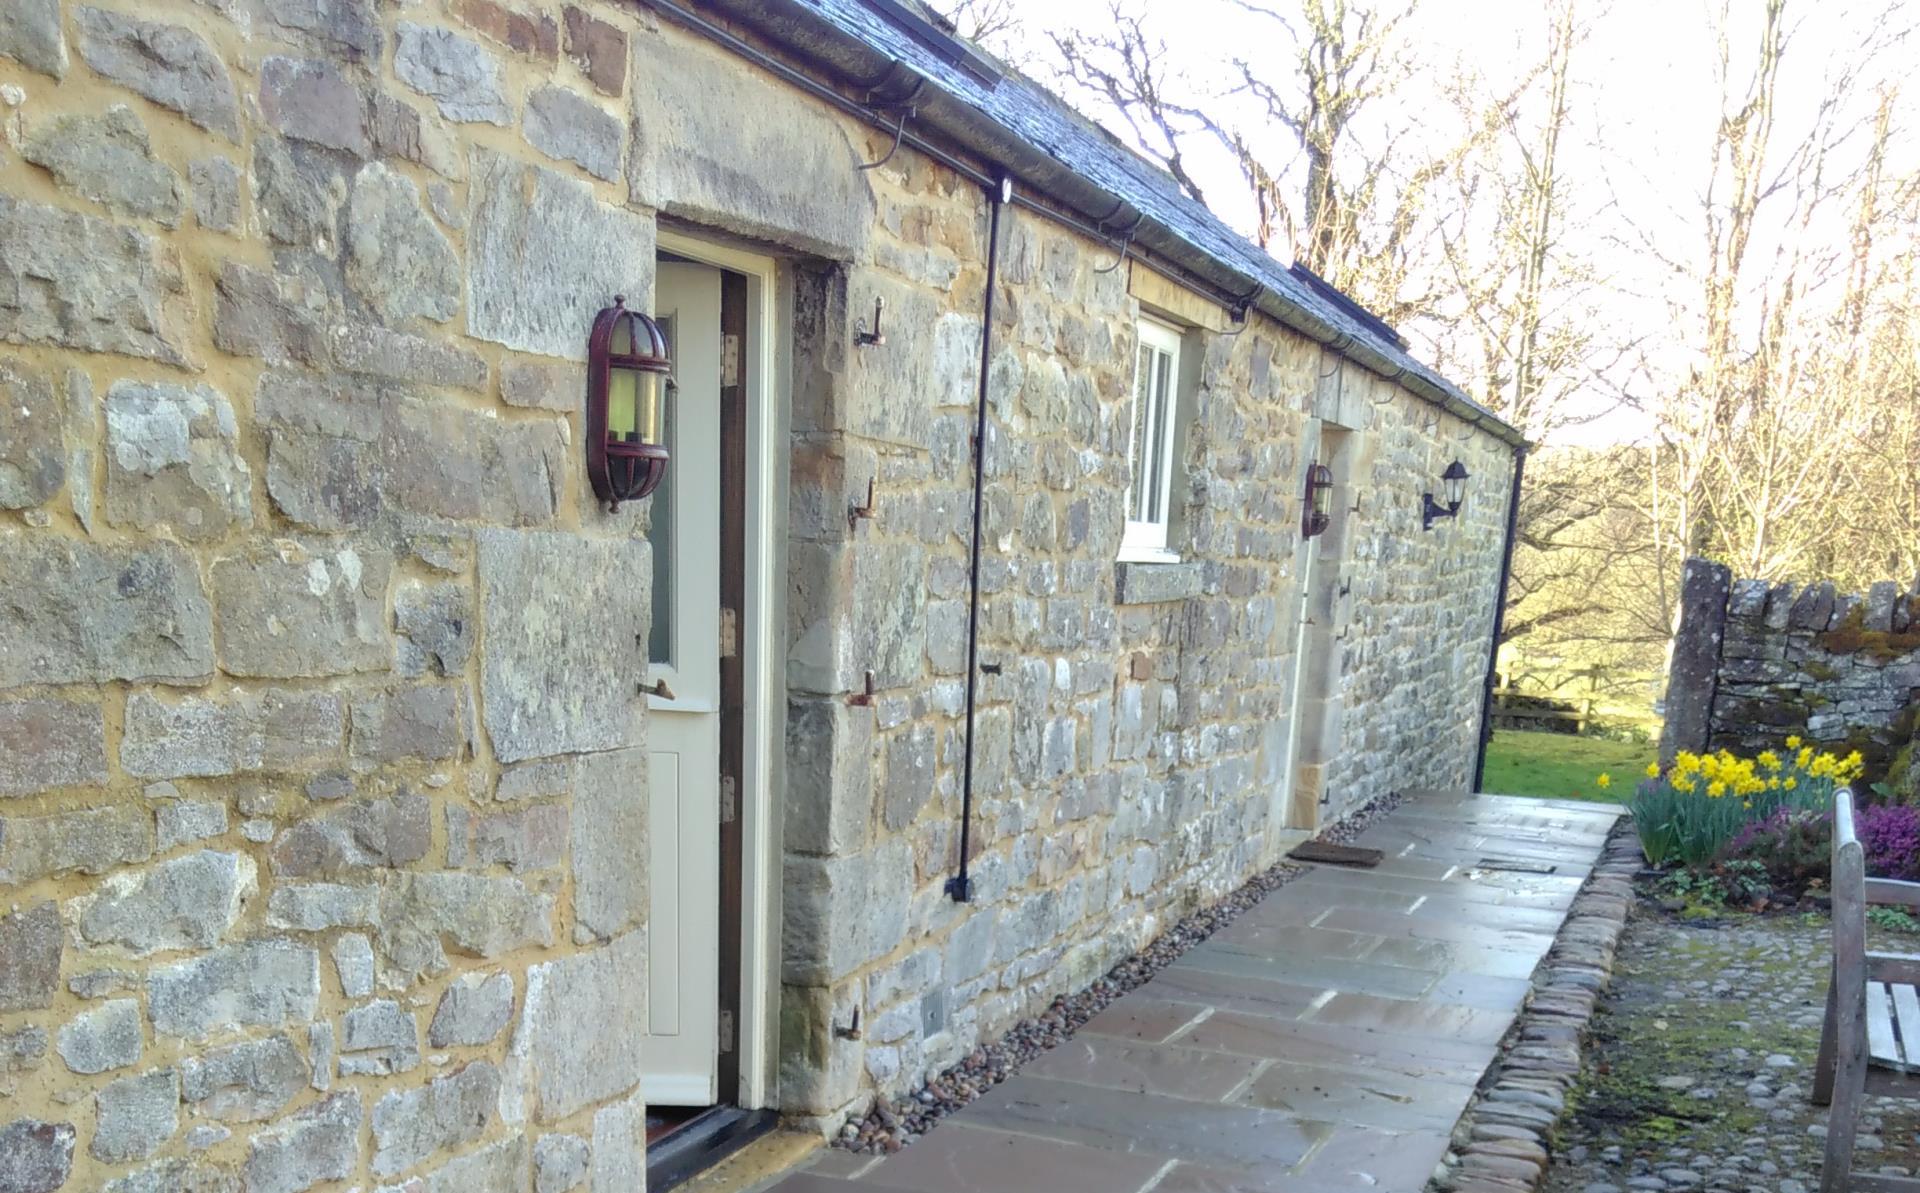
(764, 718)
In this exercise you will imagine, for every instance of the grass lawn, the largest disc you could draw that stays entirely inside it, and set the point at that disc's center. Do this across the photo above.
(1562, 766)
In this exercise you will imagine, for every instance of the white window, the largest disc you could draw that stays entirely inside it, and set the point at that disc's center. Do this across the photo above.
(1150, 445)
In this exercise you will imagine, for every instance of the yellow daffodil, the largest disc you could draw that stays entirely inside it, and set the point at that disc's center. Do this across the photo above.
(1791, 783)
(1769, 759)
(1793, 742)
(1603, 781)
(1684, 785)
(1653, 770)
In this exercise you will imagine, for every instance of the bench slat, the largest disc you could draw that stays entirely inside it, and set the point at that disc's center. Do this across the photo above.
(1893, 891)
(1906, 1020)
(1895, 969)
(1881, 1045)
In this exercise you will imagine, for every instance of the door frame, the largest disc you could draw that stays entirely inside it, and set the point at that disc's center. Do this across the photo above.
(756, 828)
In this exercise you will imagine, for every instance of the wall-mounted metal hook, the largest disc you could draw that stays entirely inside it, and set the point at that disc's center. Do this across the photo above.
(856, 513)
(852, 1030)
(864, 337)
(657, 688)
(863, 699)
(1126, 242)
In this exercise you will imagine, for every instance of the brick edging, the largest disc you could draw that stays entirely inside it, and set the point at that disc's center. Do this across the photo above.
(1500, 1144)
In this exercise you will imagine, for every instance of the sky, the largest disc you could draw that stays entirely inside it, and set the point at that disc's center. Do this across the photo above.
(1646, 98)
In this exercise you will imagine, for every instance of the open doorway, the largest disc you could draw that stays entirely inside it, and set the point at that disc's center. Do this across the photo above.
(708, 1033)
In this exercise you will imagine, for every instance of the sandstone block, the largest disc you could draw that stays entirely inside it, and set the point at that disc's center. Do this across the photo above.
(410, 1125)
(287, 611)
(560, 387)
(319, 1143)
(353, 962)
(829, 777)
(397, 259)
(840, 913)
(30, 35)
(702, 113)
(454, 72)
(889, 611)
(349, 27)
(420, 722)
(244, 1083)
(50, 743)
(271, 316)
(397, 356)
(479, 915)
(85, 283)
(313, 100)
(35, 1157)
(538, 302)
(78, 613)
(528, 839)
(170, 65)
(103, 1038)
(473, 1011)
(107, 158)
(22, 1051)
(562, 125)
(579, 1037)
(320, 1054)
(298, 191)
(599, 49)
(434, 624)
(546, 688)
(173, 460)
(559, 1161)
(497, 1168)
(533, 34)
(400, 130)
(379, 1038)
(257, 984)
(910, 766)
(190, 902)
(620, 1146)
(242, 733)
(135, 1116)
(176, 1176)
(181, 822)
(32, 446)
(378, 833)
(91, 842)
(610, 891)
(322, 906)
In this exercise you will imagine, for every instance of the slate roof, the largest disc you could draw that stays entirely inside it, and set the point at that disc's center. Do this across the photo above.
(1015, 105)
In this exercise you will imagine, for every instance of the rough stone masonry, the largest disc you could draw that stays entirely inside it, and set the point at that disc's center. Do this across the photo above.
(323, 819)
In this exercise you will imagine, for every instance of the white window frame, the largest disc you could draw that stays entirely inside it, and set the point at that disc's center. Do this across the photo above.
(1145, 539)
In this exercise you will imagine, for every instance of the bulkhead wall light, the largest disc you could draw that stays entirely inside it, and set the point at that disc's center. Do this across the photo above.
(628, 385)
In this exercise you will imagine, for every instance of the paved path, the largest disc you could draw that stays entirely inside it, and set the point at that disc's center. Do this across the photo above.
(1326, 1040)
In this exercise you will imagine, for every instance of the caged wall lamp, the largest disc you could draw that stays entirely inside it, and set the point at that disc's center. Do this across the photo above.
(1455, 480)
(1316, 512)
(628, 383)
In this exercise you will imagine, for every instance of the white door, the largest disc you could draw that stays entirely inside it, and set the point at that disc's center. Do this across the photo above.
(681, 1052)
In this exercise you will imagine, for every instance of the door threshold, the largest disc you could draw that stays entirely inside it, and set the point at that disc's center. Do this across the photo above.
(703, 1141)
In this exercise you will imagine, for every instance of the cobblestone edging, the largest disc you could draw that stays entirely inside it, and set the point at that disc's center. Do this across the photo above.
(1500, 1144)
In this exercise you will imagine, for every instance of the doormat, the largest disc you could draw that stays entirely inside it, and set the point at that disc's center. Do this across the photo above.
(1336, 855)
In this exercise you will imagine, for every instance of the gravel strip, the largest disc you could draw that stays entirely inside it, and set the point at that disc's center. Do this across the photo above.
(889, 1126)
(1503, 1143)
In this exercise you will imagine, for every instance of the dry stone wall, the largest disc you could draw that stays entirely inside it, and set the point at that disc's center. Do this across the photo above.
(1755, 662)
(322, 821)
(322, 811)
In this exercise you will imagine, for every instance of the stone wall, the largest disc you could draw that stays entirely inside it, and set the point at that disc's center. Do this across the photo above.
(1755, 662)
(311, 861)
(321, 811)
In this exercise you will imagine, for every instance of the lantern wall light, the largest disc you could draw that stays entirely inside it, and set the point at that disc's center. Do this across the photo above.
(628, 383)
(1316, 512)
(1455, 481)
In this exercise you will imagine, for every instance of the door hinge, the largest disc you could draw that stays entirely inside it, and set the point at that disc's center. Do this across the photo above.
(729, 360)
(726, 1031)
(729, 800)
(729, 633)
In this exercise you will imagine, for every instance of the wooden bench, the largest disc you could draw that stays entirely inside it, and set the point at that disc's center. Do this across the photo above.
(1870, 1042)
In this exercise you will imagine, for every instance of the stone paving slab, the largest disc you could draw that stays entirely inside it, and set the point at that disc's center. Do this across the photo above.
(1327, 1040)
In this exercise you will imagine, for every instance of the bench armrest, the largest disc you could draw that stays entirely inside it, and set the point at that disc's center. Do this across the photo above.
(1900, 969)
(1893, 891)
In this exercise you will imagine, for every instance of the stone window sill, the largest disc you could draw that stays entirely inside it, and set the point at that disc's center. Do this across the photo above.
(1152, 583)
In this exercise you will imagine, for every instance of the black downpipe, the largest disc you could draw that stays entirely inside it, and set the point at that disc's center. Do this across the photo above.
(1499, 617)
(960, 886)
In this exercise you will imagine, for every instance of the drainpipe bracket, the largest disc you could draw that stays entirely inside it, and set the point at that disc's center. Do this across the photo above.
(960, 889)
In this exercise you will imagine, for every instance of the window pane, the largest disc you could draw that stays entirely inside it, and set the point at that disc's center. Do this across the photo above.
(1162, 429)
(660, 533)
(1139, 447)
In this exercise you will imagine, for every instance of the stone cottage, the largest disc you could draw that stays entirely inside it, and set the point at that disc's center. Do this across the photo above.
(380, 810)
